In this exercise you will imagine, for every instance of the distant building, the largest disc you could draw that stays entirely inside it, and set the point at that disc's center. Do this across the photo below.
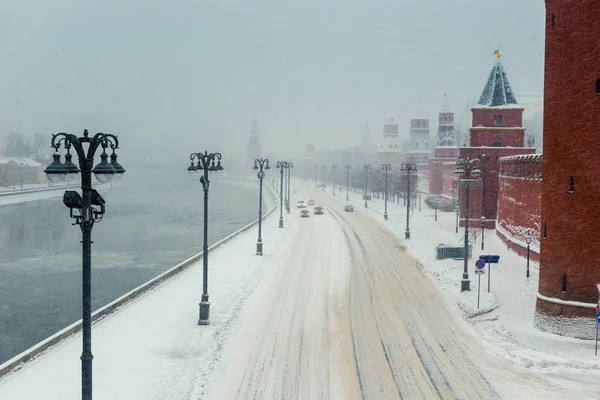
(253, 150)
(420, 147)
(17, 170)
(443, 163)
(389, 151)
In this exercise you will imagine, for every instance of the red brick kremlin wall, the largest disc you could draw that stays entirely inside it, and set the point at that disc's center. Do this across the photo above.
(570, 250)
(520, 203)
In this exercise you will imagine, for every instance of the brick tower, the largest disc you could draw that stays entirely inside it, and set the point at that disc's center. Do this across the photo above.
(497, 131)
(569, 250)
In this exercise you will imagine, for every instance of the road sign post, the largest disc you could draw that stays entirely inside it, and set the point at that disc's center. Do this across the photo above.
(597, 317)
(597, 325)
(480, 269)
(490, 259)
(489, 273)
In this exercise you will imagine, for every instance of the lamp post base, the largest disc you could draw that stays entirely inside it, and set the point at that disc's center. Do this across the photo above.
(204, 313)
(280, 222)
(407, 234)
(385, 216)
(366, 206)
(465, 285)
(259, 248)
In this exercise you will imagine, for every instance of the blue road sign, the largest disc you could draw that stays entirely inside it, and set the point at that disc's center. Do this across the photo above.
(480, 264)
(598, 317)
(490, 259)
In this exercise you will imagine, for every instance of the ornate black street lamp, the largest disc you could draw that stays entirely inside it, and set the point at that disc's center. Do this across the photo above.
(91, 209)
(469, 168)
(408, 167)
(436, 203)
(348, 168)
(289, 167)
(333, 168)
(205, 162)
(262, 164)
(316, 175)
(366, 167)
(528, 240)
(386, 168)
(482, 230)
(281, 165)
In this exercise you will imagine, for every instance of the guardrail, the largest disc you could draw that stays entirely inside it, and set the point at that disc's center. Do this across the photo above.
(17, 362)
(46, 189)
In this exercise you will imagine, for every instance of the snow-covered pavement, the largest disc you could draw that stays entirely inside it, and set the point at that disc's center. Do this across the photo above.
(504, 321)
(337, 308)
(153, 348)
(348, 314)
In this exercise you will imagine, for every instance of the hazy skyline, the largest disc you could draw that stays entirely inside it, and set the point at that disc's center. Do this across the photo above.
(175, 77)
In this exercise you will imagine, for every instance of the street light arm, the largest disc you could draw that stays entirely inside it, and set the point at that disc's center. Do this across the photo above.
(69, 140)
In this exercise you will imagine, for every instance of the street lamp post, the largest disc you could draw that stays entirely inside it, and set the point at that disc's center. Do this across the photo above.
(333, 168)
(91, 209)
(281, 165)
(366, 167)
(408, 167)
(262, 164)
(22, 163)
(289, 167)
(316, 175)
(323, 175)
(205, 162)
(528, 240)
(436, 203)
(482, 231)
(469, 168)
(347, 167)
(386, 168)
(456, 211)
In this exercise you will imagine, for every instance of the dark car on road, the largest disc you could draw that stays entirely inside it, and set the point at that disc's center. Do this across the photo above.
(349, 208)
(319, 210)
(304, 214)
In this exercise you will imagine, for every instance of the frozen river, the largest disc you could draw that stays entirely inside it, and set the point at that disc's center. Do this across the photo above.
(153, 221)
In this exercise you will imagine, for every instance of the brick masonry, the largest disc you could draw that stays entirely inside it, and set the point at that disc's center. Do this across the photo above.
(570, 228)
(520, 203)
(487, 202)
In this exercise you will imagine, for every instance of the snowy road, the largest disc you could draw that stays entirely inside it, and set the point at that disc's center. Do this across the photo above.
(348, 315)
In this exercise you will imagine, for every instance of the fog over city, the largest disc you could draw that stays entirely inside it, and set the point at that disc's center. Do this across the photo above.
(172, 77)
(386, 199)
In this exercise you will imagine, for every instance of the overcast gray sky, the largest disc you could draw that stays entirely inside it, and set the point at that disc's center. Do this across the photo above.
(171, 77)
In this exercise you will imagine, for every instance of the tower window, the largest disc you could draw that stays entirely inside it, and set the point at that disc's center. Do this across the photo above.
(552, 19)
(598, 87)
(571, 185)
(497, 120)
(563, 283)
(497, 144)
